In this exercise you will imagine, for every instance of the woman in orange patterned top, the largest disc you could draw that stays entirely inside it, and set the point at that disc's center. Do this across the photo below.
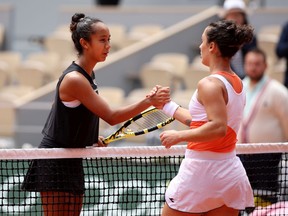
(211, 179)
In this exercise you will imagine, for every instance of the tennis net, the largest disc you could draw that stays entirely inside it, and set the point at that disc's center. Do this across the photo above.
(132, 180)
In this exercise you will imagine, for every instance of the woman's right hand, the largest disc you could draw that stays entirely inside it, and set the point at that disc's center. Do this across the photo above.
(159, 96)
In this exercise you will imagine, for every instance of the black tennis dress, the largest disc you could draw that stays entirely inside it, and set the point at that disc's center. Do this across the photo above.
(65, 127)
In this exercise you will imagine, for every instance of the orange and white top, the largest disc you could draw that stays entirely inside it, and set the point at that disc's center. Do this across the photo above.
(235, 107)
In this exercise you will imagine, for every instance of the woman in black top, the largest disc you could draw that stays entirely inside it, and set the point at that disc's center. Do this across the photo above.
(73, 121)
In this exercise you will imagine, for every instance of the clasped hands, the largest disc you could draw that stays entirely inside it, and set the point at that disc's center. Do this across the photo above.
(159, 96)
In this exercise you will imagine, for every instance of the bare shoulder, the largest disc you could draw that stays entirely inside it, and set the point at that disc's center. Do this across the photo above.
(75, 86)
(210, 85)
(75, 79)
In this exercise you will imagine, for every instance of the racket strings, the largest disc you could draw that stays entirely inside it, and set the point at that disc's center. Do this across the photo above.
(148, 120)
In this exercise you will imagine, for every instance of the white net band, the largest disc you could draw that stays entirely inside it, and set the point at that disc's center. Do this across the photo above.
(141, 151)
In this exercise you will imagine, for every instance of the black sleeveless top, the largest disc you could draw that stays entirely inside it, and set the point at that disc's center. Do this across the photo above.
(70, 127)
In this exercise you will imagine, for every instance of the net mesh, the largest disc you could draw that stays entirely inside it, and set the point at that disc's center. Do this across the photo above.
(125, 180)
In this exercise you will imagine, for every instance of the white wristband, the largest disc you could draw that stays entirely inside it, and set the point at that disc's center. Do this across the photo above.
(170, 108)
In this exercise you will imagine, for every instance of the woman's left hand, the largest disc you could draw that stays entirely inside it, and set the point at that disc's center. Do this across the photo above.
(100, 142)
(169, 138)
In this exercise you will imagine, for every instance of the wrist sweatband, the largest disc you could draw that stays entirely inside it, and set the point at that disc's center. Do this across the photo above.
(170, 108)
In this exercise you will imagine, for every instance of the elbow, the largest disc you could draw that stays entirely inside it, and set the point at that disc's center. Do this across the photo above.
(111, 121)
(221, 131)
(217, 129)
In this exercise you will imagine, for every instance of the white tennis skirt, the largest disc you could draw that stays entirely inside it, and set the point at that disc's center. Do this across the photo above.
(209, 180)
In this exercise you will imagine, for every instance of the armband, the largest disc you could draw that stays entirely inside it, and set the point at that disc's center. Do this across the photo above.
(170, 108)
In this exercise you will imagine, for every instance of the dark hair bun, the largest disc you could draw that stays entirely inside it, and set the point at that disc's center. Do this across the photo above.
(75, 19)
(244, 34)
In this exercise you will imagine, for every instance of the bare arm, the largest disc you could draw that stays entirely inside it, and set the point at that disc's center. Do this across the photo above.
(211, 93)
(75, 87)
(182, 115)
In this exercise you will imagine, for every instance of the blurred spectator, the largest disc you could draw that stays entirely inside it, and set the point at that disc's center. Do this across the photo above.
(264, 121)
(266, 111)
(236, 10)
(282, 49)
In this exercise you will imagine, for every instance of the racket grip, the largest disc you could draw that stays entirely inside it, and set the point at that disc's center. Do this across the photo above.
(170, 108)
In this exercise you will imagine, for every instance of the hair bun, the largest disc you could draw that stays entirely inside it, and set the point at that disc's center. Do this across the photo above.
(77, 16)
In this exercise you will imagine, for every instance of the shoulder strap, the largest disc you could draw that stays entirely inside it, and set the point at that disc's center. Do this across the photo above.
(223, 79)
(76, 67)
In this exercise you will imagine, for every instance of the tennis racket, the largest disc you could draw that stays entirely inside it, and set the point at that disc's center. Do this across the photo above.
(143, 123)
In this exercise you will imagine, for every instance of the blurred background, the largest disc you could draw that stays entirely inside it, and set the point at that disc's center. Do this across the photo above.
(149, 37)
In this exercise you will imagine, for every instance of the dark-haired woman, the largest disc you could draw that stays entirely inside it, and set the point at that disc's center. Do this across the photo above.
(211, 179)
(74, 118)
